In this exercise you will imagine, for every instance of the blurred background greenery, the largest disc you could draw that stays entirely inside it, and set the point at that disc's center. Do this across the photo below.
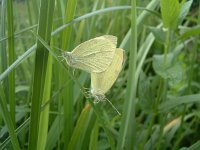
(44, 105)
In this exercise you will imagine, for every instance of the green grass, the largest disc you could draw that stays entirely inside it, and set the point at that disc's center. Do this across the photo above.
(44, 104)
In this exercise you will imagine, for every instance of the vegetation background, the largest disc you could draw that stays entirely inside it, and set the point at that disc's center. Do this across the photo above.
(43, 105)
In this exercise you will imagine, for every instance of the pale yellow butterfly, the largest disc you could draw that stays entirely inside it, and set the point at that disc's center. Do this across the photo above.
(102, 82)
(94, 55)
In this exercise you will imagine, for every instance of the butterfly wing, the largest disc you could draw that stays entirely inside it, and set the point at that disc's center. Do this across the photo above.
(111, 38)
(94, 55)
(102, 82)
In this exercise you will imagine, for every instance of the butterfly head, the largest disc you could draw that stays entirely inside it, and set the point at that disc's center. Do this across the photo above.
(68, 58)
(98, 95)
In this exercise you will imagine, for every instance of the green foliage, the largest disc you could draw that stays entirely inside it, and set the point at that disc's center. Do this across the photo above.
(195, 146)
(184, 10)
(39, 77)
(45, 104)
(159, 34)
(171, 11)
(173, 72)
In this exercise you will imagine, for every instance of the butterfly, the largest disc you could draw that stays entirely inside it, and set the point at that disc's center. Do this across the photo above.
(102, 82)
(94, 55)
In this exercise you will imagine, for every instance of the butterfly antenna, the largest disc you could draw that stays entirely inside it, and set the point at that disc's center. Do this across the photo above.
(86, 90)
(62, 58)
(88, 93)
(58, 49)
(113, 106)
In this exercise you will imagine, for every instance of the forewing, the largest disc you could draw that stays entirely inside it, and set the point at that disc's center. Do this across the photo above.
(102, 82)
(111, 38)
(94, 55)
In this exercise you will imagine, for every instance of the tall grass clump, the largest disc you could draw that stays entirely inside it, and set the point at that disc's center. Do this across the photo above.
(45, 104)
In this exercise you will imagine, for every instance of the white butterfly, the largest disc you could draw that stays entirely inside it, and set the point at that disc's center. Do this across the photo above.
(94, 55)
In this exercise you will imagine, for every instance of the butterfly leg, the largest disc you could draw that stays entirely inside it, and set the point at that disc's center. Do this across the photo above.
(87, 93)
(96, 100)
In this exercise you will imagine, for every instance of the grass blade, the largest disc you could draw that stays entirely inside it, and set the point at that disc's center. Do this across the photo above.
(127, 130)
(2, 34)
(7, 118)
(94, 137)
(44, 119)
(11, 58)
(17, 62)
(128, 123)
(44, 30)
(80, 129)
(67, 95)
